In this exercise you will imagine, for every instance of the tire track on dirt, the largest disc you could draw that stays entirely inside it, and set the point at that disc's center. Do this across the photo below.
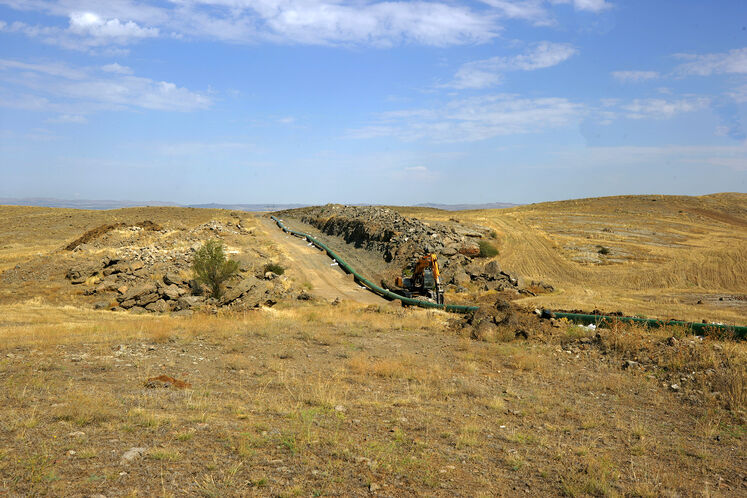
(308, 264)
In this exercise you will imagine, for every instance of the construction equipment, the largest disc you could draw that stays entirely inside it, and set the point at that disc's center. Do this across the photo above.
(425, 280)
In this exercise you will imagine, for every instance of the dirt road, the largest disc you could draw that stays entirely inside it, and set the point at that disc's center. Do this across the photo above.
(309, 264)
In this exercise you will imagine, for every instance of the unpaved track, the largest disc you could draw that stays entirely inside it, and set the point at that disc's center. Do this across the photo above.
(309, 264)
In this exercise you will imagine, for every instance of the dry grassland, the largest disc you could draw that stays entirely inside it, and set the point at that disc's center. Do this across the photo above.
(666, 256)
(318, 400)
(308, 399)
(346, 400)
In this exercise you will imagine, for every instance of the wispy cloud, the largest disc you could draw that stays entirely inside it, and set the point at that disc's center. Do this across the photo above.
(315, 22)
(116, 68)
(488, 72)
(731, 62)
(588, 5)
(663, 109)
(71, 91)
(473, 119)
(634, 76)
(68, 118)
(533, 11)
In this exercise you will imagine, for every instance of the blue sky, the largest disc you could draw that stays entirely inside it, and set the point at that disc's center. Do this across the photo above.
(317, 101)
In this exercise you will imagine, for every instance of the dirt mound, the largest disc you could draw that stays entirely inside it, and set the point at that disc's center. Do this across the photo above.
(102, 230)
(141, 272)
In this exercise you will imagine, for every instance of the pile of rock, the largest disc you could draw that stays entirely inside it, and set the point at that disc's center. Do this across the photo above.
(129, 285)
(388, 232)
(401, 240)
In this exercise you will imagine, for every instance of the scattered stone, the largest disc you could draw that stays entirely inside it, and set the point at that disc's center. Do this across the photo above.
(629, 364)
(304, 296)
(674, 387)
(373, 487)
(165, 381)
(132, 454)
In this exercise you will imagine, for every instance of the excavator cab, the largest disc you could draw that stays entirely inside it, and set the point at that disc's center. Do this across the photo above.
(425, 280)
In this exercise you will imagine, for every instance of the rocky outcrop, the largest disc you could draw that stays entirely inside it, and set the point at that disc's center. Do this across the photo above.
(401, 240)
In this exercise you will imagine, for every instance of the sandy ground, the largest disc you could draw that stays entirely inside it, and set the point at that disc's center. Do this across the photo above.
(328, 281)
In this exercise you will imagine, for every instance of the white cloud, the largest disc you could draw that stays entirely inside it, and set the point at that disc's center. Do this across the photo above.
(417, 169)
(316, 22)
(68, 118)
(588, 5)
(116, 68)
(634, 76)
(67, 90)
(731, 62)
(488, 72)
(107, 30)
(739, 94)
(729, 156)
(663, 109)
(51, 68)
(528, 10)
(474, 119)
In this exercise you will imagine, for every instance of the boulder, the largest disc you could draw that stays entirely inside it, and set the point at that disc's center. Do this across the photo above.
(146, 299)
(172, 278)
(78, 274)
(135, 266)
(129, 303)
(470, 250)
(172, 292)
(238, 290)
(187, 302)
(449, 251)
(460, 278)
(492, 270)
(108, 285)
(159, 306)
(139, 293)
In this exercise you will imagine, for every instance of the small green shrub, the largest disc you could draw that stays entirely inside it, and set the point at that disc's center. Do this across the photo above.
(274, 268)
(212, 268)
(603, 250)
(487, 250)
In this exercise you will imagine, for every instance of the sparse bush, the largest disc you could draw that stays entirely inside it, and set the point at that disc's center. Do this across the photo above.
(212, 268)
(274, 268)
(487, 250)
(493, 234)
(603, 250)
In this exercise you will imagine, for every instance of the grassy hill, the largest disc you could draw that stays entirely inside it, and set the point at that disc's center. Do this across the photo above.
(658, 256)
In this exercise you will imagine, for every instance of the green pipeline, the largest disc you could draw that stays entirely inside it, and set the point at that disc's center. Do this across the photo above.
(454, 308)
(694, 327)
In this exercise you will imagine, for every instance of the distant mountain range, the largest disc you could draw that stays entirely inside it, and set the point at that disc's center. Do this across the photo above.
(108, 204)
(464, 207)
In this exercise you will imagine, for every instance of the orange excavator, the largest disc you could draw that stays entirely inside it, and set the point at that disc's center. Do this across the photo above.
(425, 280)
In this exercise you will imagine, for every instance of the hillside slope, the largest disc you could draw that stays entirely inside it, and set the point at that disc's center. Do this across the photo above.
(659, 256)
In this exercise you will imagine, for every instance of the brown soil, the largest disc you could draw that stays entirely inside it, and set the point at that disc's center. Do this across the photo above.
(315, 270)
(99, 231)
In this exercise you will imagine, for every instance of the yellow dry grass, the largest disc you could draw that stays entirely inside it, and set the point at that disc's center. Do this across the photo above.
(666, 253)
